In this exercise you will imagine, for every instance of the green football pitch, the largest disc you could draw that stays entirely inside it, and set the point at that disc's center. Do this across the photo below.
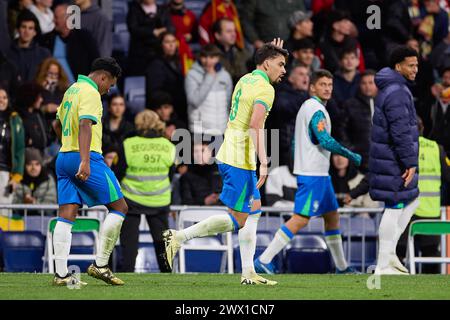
(227, 287)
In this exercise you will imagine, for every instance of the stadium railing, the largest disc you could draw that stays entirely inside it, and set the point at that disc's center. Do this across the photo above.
(100, 212)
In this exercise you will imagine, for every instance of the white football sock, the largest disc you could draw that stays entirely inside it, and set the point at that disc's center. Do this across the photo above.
(247, 243)
(209, 227)
(109, 233)
(333, 239)
(387, 235)
(405, 218)
(281, 239)
(62, 239)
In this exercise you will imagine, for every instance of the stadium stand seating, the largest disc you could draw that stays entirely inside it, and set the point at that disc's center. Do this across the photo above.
(134, 92)
(146, 258)
(360, 251)
(308, 253)
(23, 251)
(204, 260)
(82, 243)
(263, 239)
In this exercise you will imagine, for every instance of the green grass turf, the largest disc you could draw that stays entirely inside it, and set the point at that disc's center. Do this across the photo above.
(226, 287)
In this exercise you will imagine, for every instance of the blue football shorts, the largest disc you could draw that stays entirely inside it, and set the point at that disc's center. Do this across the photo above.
(315, 196)
(239, 188)
(100, 188)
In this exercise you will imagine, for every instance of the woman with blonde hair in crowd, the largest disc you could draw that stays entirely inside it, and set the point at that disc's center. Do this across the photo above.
(147, 159)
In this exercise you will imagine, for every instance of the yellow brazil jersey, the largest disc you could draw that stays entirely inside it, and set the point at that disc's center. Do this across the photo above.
(237, 149)
(81, 101)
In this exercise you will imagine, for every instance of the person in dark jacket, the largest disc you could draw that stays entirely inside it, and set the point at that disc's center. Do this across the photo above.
(146, 23)
(25, 52)
(12, 149)
(75, 49)
(37, 133)
(346, 79)
(96, 22)
(394, 152)
(201, 184)
(115, 129)
(165, 74)
(356, 120)
(9, 76)
(340, 35)
(289, 96)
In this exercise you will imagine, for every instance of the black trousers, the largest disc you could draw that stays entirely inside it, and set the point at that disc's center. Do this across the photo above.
(157, 219)
(427, 245)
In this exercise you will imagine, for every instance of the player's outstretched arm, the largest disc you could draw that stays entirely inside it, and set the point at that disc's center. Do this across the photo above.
(84, 142)
(58, 128)
(318, 128)
(257, 136)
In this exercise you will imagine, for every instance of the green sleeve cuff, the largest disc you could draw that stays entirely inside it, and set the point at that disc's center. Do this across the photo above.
(263, 103)
(89, 117)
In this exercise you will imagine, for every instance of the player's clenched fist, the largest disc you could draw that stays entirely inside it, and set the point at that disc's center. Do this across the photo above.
(84, 171)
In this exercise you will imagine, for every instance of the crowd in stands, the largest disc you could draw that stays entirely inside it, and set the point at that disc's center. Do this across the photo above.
(191, 61)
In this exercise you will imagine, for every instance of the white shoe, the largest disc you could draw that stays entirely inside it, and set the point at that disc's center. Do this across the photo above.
(256, 279)
(389, 271)
(396, 264)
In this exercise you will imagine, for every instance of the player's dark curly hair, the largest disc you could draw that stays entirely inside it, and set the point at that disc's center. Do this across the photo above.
(400, 53)
(269, 51)
(108, 64)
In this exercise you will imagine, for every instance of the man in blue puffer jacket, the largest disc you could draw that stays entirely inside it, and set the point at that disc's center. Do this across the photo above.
(394, 155)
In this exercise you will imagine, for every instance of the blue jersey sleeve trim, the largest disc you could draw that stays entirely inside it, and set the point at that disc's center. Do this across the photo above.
(317, 127)
(94, 119)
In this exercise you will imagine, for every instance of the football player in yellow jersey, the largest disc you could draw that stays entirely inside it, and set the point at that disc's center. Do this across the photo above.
(251, 102)
(83, 176)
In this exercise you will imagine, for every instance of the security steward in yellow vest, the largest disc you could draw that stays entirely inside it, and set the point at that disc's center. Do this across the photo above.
(147, 160)
(434, 167)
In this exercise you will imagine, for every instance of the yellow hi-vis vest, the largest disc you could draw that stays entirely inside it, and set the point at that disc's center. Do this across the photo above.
(429, 179)
(147, 177)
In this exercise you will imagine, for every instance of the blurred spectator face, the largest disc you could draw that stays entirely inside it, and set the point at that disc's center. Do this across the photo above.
(339, 162)
(177, 4)
(202, 154)
(45, 3)
(305, 56)
(82, 3)
(227, 35)
(27, 32)
(299, 78)
(3, 100)
(209, 61)
(323, 88)
(33, 168)
(165, 112)
(446, 79)
(432, 6)
(117, 107)
(368, 86)
(169, 45)
(148, 2)
(60, 18)
(305, 28)
(349, 62)
(52, 77)
(413, 44)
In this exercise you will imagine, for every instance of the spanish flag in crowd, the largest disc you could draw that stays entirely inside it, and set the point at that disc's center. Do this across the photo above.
(214, 11)
(185, 23)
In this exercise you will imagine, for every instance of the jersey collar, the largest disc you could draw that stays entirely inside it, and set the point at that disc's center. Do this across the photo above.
(319, 100)
(262, 74)
(82, 78)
